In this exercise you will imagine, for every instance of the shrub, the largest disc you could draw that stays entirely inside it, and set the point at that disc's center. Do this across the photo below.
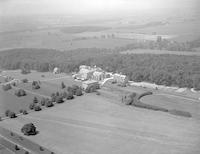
(145, 94)
(79, 92)
(151, 107)
(29, 129)
(25, 80)
(37, 108)
(7, 112)
(26, 152)
(180, 113)
(31, 106)
(12, 115)
(0, 118)
(6, 87)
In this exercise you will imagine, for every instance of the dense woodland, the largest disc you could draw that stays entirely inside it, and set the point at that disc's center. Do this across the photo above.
(170, 70)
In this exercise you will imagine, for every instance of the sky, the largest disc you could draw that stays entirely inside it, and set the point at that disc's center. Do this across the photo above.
(18, 7)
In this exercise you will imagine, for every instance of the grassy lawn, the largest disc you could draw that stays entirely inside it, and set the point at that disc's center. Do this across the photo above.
(92, 120)
(8, 100)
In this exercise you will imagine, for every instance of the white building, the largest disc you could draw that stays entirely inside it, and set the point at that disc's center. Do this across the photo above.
(120, 78)
(56, 70)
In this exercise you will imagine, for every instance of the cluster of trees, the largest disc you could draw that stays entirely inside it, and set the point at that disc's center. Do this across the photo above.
(170, 70)
(29, 129)
(92, 88)
(160, 44)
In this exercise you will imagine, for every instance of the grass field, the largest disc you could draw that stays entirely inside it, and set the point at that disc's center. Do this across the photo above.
(91, 120)
(9, 101)
(51, 83)
(160, 52)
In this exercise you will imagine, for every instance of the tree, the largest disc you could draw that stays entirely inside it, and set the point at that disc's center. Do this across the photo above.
(25, 80)
(59, 100)
(29, 129)
(49, 104)
(6, 87)
(35, 85)
(12, 115)
(21, 111)
(35, 100)
(7, 112)
(69, 96)
(43, 101)
(31, 106)
(37, 108)
(79, 92)
(17, 148)
(63, 85)
(24, 112)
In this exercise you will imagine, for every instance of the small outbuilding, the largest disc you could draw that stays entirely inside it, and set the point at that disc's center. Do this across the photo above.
(56, 70)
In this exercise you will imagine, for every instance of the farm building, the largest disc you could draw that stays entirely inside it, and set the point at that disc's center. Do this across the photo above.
(56, 70)
(88, 83)
(119, 78)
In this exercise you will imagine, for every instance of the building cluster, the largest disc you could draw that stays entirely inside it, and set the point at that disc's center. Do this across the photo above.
(96, 74)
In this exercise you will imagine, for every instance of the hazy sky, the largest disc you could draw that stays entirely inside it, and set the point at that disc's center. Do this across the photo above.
(13, 7)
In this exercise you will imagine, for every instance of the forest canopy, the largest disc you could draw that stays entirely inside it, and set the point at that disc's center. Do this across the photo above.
(170, 70)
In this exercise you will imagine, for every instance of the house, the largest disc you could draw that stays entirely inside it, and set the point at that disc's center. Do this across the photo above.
(98, 75)
(119, 78)
(56, 70)
(88, 83)
(85, 73)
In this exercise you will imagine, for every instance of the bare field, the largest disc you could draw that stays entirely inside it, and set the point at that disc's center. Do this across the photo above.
(91, 120)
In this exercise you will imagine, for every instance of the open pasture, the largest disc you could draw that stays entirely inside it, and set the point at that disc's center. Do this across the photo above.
(92, 120)
(56, 39)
